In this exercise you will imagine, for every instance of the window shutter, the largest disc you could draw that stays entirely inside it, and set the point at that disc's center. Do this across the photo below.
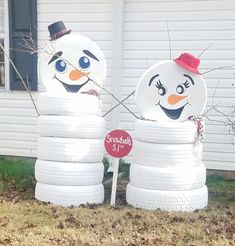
(22, 23)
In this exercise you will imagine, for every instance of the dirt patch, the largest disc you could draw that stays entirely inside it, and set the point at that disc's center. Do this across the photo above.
(25, 221)
(13, 194)
(121, 192)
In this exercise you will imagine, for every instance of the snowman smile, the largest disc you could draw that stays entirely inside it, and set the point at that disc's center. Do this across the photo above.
(71, 88)
(174, 114)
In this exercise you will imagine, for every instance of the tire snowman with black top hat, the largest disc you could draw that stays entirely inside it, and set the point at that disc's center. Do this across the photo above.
(167, 172)
(69, 169)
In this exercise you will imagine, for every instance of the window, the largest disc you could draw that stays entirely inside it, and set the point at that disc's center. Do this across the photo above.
(18, 18)
(2, 65)
(3, 40)
(22, 18)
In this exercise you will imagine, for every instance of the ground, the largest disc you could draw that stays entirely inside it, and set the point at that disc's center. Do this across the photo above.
(25, 221)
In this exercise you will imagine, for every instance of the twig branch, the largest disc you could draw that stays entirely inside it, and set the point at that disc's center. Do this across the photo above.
(205, 49)
(120, 102)
(218, 121)
(217, 68)
(169, 38)
(123, 100)
(228, 119)
(146, 60)
(21, 79)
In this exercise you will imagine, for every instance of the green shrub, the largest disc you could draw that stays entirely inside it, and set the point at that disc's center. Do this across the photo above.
(123, 167)
(19, 172)
(219, 183)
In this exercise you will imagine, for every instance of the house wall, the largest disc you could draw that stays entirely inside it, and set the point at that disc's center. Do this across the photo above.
(193, 25)
(17, 125)
(142, 30)
(18, 118)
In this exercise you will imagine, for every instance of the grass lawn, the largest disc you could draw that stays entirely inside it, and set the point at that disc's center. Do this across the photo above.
(25, 221)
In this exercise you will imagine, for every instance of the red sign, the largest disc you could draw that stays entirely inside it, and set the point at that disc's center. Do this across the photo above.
(118, 143)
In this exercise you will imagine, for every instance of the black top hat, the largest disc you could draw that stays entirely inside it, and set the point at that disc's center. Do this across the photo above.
(57, 30)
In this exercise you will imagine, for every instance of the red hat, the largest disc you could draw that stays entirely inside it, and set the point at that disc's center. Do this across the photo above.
(188, 62)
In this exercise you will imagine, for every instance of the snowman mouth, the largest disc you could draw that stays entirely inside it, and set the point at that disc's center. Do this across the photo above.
(71, 88)
(174, 114)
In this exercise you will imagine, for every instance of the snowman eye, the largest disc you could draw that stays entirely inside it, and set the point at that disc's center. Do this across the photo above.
(161, 88)
(61, 66)
(180, 89)
(84, 62)
(162, 91)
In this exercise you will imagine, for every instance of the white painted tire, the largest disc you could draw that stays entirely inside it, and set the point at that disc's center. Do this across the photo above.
(70, 149)
(68, 104)
(171, 178)
(67, 173)
(82, 126)
(69, 195)
(165, 132)
(188, 200)
(167, 155)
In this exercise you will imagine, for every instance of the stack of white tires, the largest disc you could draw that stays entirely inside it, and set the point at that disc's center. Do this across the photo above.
(69, 170)
(167, 172)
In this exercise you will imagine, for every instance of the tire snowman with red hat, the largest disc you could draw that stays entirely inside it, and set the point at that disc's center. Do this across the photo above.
(69, 170)
(168, 172)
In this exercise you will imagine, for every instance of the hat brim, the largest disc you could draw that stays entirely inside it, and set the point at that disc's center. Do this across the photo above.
(54, 37)
(183, 65)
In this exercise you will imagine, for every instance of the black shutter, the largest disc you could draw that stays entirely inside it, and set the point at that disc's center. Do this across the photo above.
(22, 23)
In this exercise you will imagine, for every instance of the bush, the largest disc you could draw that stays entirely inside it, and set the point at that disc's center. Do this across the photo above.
(19, 172)
(123, 167)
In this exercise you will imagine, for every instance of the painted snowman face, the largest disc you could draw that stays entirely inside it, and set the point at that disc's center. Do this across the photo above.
(70, 63)
(168, 92)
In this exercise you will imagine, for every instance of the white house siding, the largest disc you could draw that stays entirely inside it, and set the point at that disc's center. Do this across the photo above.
(93, 18)
(17, 125)
(193, 25)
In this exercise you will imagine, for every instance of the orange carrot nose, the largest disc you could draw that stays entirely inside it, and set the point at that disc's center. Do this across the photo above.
(76, 75)
(173, 99)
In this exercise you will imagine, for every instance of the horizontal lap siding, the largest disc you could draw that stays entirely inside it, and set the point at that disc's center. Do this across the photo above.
(18, 119)
(17, 124)
(193, 25)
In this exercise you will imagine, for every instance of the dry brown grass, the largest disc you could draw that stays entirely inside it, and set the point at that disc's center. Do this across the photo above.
(25, 221)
